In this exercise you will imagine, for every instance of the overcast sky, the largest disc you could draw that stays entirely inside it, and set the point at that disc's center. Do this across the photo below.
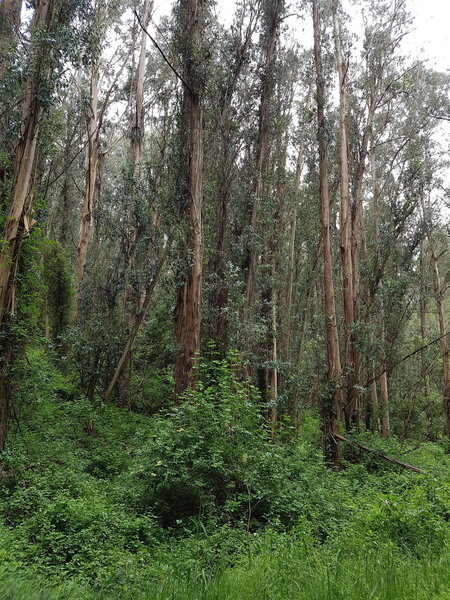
(431, 29)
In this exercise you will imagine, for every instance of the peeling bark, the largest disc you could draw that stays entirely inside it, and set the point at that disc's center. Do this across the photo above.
(332, 403)
(189, 296)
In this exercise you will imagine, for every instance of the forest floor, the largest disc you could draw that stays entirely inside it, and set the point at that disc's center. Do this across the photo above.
(98, 503)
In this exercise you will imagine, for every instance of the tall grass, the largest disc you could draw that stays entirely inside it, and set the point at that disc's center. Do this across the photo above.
(289, 573)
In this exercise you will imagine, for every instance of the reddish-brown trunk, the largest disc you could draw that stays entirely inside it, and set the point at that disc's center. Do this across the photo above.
(189, 297)
(332, 402)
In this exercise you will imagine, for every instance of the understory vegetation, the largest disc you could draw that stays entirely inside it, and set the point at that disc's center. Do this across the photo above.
(224, 300)
(196, 501)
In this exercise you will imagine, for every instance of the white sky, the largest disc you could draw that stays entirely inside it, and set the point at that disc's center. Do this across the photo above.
(431, 29)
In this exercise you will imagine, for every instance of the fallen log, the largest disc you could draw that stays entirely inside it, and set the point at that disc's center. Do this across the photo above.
(380, 454)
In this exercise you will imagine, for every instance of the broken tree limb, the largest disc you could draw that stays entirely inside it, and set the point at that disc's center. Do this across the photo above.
(166, 60)
(390, 368)
(150, 288)
(380, 454)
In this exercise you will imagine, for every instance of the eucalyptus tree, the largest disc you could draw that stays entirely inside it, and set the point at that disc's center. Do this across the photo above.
(351, 368)
(191, 24)
(52, 39)
(333, 398)
(407, 142)
(437, 248)
(272, 13)
(229, 106)
(96, 108)
(137, 122)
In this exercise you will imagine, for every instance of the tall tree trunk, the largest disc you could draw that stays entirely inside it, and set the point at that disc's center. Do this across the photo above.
(384, 386)
(424, 375)
(189, 297)
(92, 160)
(274, 247)
(221, 297)
(333, 401)
(136, 136)
(351, 406)
(18, 220)
(261, 148)
(291, 252)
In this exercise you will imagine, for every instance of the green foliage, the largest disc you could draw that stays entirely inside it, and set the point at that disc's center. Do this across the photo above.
(198, 502)
(95, 348)
(59, 290)
(198, 460)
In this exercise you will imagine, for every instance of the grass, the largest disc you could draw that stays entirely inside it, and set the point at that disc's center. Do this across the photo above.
(77, 523)
(284, 575)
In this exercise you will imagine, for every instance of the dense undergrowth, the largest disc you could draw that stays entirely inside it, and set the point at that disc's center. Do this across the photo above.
(195, 502)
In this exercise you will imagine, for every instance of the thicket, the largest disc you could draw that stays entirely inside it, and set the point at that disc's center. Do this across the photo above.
(197, 501)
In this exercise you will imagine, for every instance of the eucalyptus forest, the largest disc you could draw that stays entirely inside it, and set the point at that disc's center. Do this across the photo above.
(224, 299)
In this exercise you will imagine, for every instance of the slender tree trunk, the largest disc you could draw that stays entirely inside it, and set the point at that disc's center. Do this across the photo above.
(273, 373)
(351, 406)
(66, 188)
(274, 246)
(261, 148)
(333, 402)
(291, 252)
(384, 386)
(374, 423)
(135, 326)
(424, 375)
(137, 130)
(92, 160)
(444, 339)
(137, 136)
(189, 297)
(218, 263)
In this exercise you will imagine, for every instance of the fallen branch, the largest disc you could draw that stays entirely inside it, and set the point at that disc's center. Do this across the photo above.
(380, 454)
(149, 290)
